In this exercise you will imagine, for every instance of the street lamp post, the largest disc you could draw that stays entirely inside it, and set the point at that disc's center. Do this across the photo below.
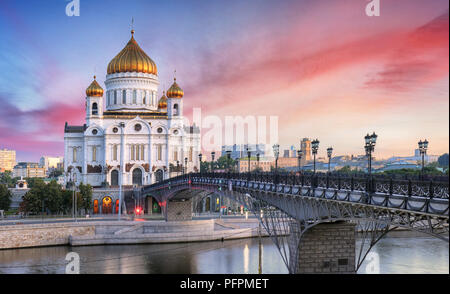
(299, 157)
(249, 153)
(276, 153)
(228, 159)
(370, 141)
(257, 160)
(185, 165)
(178, 168)
(423, 146)
(329, 153)
(315, 147)
(213, 154)
(200, 160)
(122, 153)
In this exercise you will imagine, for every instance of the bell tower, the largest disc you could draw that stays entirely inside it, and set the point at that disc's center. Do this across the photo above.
(94, 102)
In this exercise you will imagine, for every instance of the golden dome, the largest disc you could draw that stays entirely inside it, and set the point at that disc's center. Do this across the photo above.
(132, 59)
(175, 91)
(94, 89)
(162, 104)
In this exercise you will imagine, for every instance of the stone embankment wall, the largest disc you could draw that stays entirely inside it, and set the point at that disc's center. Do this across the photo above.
(125, 232)
(20, 236)
(326, 248)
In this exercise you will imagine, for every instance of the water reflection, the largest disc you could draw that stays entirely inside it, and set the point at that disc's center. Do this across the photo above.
(246, 259)
(397, 255)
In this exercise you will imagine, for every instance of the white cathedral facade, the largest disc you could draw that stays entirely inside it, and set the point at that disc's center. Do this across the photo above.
(128, 125)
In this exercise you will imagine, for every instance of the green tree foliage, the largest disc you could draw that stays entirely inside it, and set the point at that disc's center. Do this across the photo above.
(86, 196)
(443, 160)
(224, 163)
(7, 179)
(345, 169)
(50, 197)
(5, 197)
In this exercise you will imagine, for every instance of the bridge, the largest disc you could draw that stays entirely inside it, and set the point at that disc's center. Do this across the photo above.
(314, 218)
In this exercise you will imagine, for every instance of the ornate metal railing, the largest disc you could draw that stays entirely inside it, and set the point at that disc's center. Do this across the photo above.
(372, 185)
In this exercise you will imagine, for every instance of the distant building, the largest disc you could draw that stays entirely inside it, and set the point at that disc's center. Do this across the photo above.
(28, 170)
(264, 164)
(306, 149)
(7, 159)
(284, 162)
(49, 162)
(18, 192)
(239, 151)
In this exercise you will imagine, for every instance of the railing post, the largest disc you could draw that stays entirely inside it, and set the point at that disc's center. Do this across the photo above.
(352, 184)
(409, 188)
(391, 186)
(431, 192)
(328, 181)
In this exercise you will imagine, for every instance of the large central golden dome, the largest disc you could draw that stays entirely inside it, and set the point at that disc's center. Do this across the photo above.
(132, 59)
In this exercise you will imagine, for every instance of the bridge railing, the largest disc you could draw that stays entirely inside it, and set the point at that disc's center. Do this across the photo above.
(380, 185)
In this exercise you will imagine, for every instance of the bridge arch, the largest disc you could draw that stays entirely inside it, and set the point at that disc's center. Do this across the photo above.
(312, 204)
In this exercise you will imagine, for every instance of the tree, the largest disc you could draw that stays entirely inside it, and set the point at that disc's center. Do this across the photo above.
(53, 199)
(345, 169)
(5, 197)
(47, 197)
(7, 179)
(443, 160)
(86, 196)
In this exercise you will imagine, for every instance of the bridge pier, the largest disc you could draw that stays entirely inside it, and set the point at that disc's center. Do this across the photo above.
(324, 248)
(179, 210)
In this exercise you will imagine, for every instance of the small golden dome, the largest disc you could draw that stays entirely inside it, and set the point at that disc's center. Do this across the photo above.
(94, 89)
(162, 104)
(132, 59)
(175, 91)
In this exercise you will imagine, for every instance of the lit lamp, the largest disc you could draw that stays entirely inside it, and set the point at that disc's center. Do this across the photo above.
(423, 146)
(329, 153)
(315, 147)
(276, 153)
(370, 141)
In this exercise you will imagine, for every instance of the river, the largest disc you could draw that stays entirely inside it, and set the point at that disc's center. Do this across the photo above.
(396, 256)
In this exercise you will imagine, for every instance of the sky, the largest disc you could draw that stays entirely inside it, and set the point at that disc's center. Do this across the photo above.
(324, 68)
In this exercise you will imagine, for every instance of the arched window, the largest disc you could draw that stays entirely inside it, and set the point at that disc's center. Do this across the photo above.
(94, 153)
(115, 152)
(115, 96)
(95, 206)
(134, 96)
(74, 155)
(159, 152)
(159, 175)
(114, 178)
(107, 205)
(94, 108)
(137, 177)
(143, 101)
(124, 96)
(175, 109)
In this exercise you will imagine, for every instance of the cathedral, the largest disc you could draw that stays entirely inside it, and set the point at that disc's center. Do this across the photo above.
(132, 135)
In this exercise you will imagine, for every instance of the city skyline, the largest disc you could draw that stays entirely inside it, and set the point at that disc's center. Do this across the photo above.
(387, 74)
